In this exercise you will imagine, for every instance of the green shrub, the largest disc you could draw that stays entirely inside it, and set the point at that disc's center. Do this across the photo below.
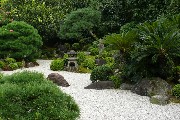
(176, 90)
(65, 58)
(101, 73)
(10, 60)
(13, 66)
(94, 51)
(29, 96)
(81, 56)
(20, 40)
(82, 69)
(110, 62)
(57, 64)
(89, 63)
(20, 64)
(76, 46)
(117, 81)
(2, 64)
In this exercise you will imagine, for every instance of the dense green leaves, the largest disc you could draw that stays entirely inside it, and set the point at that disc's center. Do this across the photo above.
(19, 40)
(80, 24)
(29, 96)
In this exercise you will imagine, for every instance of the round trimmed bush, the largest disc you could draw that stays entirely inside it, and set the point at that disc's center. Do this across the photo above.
(20, 40)
(176, 90)
(13, 66)
(57, 64)
(101, 73)
(29, 96)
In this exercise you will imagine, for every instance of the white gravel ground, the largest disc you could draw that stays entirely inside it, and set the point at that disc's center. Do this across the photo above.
(108, 104)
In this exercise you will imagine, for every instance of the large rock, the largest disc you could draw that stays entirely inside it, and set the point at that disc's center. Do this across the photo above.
(126, 86)
(58, 79)
(100, 85)
(159, 99)
(151, 87)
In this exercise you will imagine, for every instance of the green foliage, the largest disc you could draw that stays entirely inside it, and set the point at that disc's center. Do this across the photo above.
(57, 64)
(110, 62)
(76, 46)
(44, 15)
(13, 66)
(2, 64)
(122, 41)
(89, 62)
(116, 13)
(20, 41)
(117, 81)
(176, 90)
(1, 75)
(28, 95)
(94, 51)
(80, 24)
(101, 73)
(81, 56)
(158, 49)
(82, 69)
(10, 60)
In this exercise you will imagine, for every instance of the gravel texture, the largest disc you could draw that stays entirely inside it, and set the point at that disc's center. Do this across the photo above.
(109, 104)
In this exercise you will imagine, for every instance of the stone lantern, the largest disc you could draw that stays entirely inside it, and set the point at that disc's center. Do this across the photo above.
(72, 60)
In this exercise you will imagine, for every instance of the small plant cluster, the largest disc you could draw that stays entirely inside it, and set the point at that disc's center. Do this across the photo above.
(1, 75)
(101, 73)
(57, 64)
(86, 62)
(176, 91)
(10, 64)
(29, 96)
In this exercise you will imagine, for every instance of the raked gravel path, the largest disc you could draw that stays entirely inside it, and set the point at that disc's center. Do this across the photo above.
(110, 104)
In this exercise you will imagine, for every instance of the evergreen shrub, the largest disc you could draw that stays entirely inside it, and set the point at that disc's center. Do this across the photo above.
(57, 64)
(176, 90)
(29, 96)
(101, 73)
(20, 40)
(89, 62)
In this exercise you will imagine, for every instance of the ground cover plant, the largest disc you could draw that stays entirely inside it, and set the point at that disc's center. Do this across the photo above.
(28, 95)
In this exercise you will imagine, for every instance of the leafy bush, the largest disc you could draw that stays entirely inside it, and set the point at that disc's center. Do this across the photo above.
(94, 51)
(80, 23)
(157, 51)
(20, 41)
(89, 62)
(101, 73)
(117, 81)
(76, 46)
(13, 66)
(2, 64)
(110, 62)
(82, 69)
(10, 60)
(176, 90)
(57, 64)
(81, 56)
(29, 96)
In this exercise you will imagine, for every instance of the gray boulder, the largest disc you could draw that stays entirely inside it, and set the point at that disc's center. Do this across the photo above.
(58, 79)
(151, 87)
(159, 99)
(125, 86)
(100, 85)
